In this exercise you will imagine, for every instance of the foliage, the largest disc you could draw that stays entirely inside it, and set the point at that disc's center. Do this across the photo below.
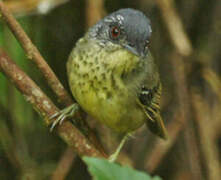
(102, 169)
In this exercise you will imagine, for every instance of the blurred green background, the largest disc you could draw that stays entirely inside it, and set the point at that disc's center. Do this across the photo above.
(185, 43)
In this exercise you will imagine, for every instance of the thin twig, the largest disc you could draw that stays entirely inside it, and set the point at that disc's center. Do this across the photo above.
(44, 106)
(161, 148)
(11, 140)
(209, 148)
(7, 143)
(33, 54)
(175, 27)
(21, 161)
(27, 7)
(64, 165)
(213, 79)
(184, 105)
(94, 11)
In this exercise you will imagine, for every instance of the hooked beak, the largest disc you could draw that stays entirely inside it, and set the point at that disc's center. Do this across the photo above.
(138, 51)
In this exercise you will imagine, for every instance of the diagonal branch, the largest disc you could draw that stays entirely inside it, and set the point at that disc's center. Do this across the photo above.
(161, 148)
(44, 106)
(206, 132)
(34, 55)
(175, 27)
(64, 165)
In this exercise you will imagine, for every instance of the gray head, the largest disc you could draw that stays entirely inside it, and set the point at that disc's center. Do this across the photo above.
(127, 28)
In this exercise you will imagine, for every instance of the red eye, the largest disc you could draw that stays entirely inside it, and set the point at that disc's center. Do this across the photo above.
(115, 32)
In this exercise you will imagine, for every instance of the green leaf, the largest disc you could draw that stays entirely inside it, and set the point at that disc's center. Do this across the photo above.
(102, 169)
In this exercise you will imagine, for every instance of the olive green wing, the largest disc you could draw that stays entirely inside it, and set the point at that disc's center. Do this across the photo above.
(149, 100)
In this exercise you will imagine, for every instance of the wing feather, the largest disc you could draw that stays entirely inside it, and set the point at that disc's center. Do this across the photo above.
(149, 100)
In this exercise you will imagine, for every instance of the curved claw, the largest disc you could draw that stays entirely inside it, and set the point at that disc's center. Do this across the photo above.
(62, 119)
(63, 114)
(54, 115)
(54, 124)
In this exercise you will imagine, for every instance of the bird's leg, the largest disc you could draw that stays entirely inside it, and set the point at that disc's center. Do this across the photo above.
(64, 113)
(114, 156)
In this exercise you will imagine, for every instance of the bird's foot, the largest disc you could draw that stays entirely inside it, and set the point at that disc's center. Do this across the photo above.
(63, 114)
(113, 157)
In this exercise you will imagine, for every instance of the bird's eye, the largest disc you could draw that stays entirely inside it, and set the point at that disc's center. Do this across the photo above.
(115, 32)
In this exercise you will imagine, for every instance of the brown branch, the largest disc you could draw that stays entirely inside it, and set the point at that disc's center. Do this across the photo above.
(26, 7)
(179, 70)
(8, 145)
(207, 136)
(94, 11)
(10, 139)
(64, 165)
(213, 80)
(44, 106)
(22, 7)
(175, 27)
(33, 54)
(161, 148)
(21, 161)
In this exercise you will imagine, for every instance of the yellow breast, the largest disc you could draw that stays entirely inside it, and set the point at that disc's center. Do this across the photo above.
(99, 90)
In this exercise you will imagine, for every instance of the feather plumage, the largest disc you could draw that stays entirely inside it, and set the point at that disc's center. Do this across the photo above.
(149, 100)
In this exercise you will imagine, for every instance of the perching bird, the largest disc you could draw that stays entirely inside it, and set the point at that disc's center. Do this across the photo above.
(113, 77)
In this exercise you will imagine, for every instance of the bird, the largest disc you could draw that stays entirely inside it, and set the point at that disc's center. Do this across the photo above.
(113, 76)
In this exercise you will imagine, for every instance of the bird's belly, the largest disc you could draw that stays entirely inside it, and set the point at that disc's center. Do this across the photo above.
(117, 111)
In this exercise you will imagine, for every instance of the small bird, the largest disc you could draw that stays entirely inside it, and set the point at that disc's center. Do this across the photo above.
(113, 77)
